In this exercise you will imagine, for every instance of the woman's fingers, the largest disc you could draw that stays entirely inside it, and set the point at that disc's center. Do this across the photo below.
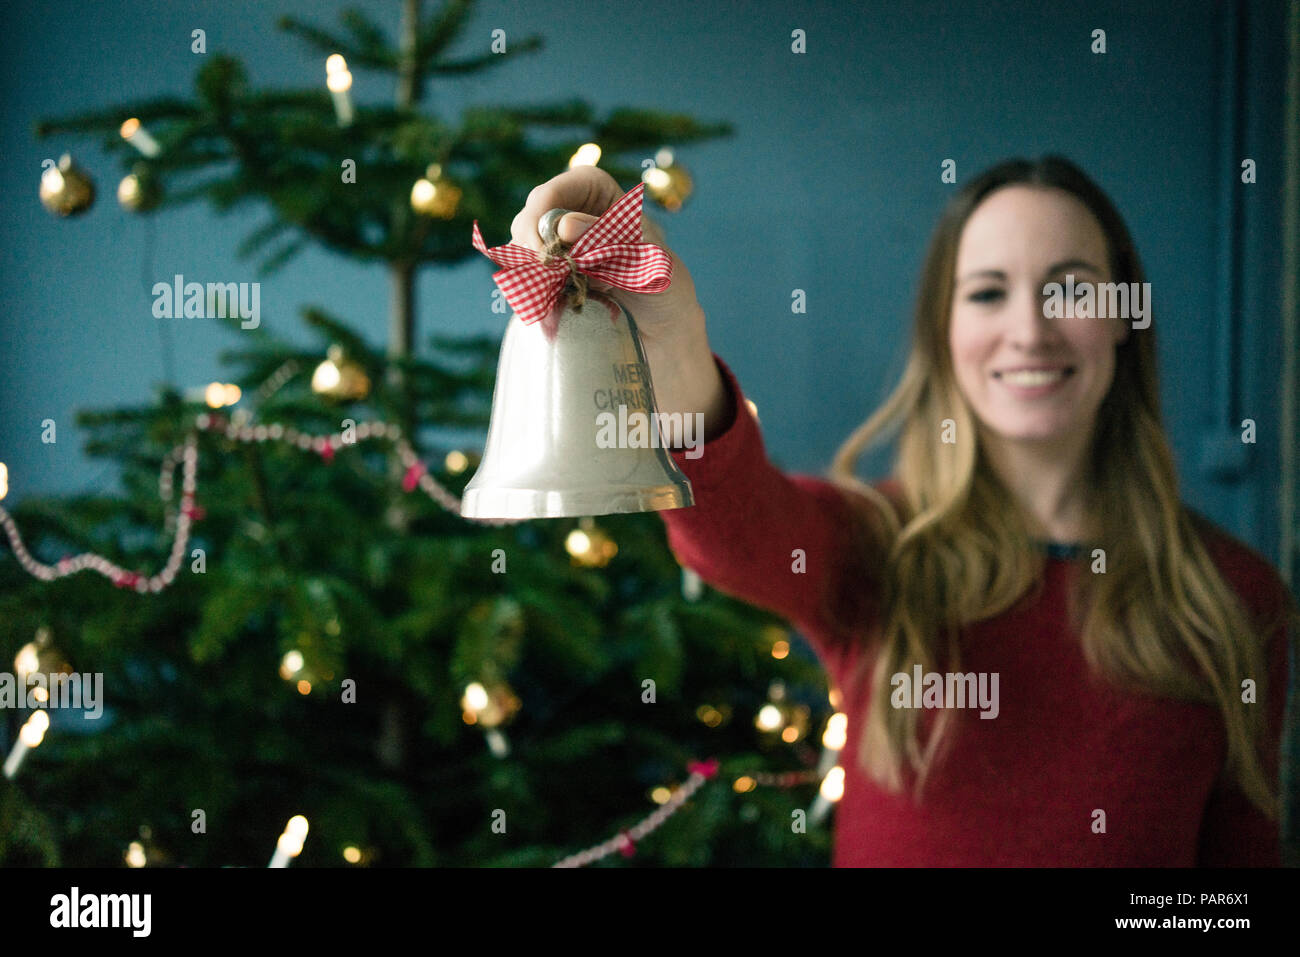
(584, 189)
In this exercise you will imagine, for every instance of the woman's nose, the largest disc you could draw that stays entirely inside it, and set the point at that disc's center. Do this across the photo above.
(1029, 323)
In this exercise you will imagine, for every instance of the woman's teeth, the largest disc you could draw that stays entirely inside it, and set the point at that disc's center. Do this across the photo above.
(1031, 379)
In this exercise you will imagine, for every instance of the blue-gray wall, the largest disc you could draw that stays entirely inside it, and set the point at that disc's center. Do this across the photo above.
(831, 185)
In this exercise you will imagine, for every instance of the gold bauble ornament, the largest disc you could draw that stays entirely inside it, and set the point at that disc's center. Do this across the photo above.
(669, 186)
(490, 705)
(339, 377)
(66, 189)
(589, 546)
(435, 195)
(139, 191)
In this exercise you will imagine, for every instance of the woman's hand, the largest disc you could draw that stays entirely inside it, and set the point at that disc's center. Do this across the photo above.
(588, 191)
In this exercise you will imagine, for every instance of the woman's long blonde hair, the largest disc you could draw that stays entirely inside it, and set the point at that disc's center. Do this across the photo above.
(1161, 619)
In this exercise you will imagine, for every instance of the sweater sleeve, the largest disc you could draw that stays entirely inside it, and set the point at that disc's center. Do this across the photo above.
(1234, 832)
(786, 543)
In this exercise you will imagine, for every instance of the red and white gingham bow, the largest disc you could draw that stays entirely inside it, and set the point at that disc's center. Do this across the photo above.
(610, 251)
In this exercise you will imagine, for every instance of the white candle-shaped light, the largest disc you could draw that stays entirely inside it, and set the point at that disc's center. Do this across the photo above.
(833, 741)
(339, 81)
(290, 843)
(832, 790)
(480, 708)
(139, 137)
(31, 735)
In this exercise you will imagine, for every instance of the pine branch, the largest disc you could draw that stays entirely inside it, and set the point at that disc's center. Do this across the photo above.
(474, 64)
(334, 330)
(372, 44)
(437, 34)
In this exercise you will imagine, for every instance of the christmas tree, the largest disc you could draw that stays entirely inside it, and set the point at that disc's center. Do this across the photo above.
(289, 615)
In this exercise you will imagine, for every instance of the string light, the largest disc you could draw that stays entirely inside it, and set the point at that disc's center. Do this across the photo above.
(588, 154)
(832, 788)
(836, 734)
(30, 736)
(291, 664)
(692, 584)
(4, 480)
(135, 856)
(219, 394)
(290, 843)
(490, 709)
(339, 82)
(139, 137)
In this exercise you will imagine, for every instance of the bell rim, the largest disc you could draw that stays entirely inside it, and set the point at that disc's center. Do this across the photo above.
(510, 503)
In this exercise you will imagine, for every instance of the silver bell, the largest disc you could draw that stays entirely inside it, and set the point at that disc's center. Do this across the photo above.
(565, 387)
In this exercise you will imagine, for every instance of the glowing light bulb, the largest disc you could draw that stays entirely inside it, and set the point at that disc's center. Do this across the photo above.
(456, 462)
(656, 178)
(339, 82)
(352, 855)
(476, 697)
(836, 731)
(577, 543)
(769, 718)
(422, 192)
(326, 377)
(291, 664)
(33, 732)
(139, 137)
(832, 788)
(135, 855)
(27, 660)
(4, 480)
(297, 826)
(588, 154)
(334, 63)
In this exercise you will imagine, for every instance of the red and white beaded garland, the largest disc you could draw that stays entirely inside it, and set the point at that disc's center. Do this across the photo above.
(625, 841)
(180, 521)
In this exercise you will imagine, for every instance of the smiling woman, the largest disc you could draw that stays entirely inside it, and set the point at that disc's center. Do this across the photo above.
(1032, 530)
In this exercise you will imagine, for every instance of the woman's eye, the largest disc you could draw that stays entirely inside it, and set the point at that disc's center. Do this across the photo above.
(985, 295)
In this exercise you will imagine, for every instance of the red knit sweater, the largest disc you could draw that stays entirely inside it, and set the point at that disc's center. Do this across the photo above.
(1020, 789)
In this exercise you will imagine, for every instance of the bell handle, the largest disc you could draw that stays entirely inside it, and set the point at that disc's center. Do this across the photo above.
(549, 223)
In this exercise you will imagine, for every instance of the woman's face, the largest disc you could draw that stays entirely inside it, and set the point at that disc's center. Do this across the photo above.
(1015, 242)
